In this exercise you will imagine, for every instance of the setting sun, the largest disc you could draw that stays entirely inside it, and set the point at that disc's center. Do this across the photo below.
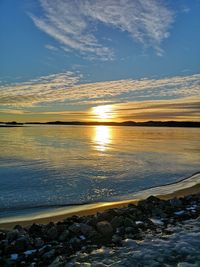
(102, 112)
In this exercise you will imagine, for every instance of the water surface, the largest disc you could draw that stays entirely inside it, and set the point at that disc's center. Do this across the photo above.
(45, 166)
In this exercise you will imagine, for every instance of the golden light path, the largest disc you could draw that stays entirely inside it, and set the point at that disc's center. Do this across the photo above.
(102, 137)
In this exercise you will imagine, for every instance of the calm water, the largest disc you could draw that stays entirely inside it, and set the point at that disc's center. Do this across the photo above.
(43, 166)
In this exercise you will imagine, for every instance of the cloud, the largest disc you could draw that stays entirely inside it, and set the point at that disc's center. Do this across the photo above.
(179, 109)
(51, 47)
(75, 24)
(65, 89)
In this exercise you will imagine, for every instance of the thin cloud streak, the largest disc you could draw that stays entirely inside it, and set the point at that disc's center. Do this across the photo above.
(180, 109)
(74, 23)
(65, 89)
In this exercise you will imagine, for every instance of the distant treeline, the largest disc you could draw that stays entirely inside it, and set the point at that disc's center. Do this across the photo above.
(125, 123)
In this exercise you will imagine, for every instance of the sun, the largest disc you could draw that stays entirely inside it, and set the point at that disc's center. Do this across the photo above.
(102, 112)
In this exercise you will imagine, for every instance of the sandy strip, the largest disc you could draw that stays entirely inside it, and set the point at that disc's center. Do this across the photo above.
(188, 186)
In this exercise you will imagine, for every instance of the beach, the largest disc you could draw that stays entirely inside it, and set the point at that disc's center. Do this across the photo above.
(84, 235)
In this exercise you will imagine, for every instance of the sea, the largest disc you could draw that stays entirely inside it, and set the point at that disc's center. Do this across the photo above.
(50, 166)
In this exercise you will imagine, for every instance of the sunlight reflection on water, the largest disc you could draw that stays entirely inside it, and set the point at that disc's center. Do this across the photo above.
(102, 137)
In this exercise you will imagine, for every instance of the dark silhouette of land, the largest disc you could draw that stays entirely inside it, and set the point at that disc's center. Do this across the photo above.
(96, 123)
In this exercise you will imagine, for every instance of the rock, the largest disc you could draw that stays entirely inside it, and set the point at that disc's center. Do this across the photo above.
(19, 228)
(86, 230)
(44, 249)
(106, 215)
(64, 235)
(52, 233)
(153, 199)
(186, 264)
(38, 242)
(61, 228)
(105, 228)
(129, 230)
(49, 254)
(75, 243)
(58, 262)
(75, 228)
(12, 235)
(21, 244)
(2, 235)
(117, 221)
(36, 230)
(116, 239)
(128, 222)
(177, 203)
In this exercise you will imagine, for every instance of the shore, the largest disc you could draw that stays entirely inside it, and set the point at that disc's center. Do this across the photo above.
(188, 186)
(84, 236)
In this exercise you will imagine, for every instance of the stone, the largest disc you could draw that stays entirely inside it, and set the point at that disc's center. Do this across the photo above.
(49, 254)
(117, 221)
(21, 244)
(61, 228)
(75, 228)
(36, 229)
(75, 243)
(128, 222)
(12, 235)
(64, 235)
(106, 215)
(177, 203)
(105, 228)
(52, 233)
(38, 242)
(116, 239)
(58, 262)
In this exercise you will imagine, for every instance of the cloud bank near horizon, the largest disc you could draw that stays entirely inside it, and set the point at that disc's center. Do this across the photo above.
(75, 24)
(64, 95)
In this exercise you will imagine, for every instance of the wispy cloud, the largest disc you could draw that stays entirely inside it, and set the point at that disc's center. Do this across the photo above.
(65, 88)
(179, 109)
(51, 47)
(75, 23)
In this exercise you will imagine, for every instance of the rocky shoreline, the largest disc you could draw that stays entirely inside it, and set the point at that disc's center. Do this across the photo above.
(55, 244)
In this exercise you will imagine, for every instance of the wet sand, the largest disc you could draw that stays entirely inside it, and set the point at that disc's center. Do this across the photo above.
(188, 186)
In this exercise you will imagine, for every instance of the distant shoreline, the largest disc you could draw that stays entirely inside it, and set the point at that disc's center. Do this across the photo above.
(193, 124)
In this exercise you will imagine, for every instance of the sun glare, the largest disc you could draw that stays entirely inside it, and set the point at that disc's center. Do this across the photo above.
(102, 137)
(102, 112)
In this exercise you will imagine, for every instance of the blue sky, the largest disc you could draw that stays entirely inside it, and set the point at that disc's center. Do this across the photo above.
(65, 44)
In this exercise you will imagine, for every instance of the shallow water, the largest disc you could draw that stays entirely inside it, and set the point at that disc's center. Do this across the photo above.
(45, 166)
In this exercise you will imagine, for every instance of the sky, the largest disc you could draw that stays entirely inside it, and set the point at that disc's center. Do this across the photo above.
(102, 60)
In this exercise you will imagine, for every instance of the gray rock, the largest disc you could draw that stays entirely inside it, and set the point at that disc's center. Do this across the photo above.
(116, 239)
(75, 242)
(58, 262)
(86, 229)
(128, 222)
(52, 233)
(117, 221)
(38, 242)
(12, 235)
(75, 228)
(105, 228)
(64, 236)
(49, 254)
(21, 244)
